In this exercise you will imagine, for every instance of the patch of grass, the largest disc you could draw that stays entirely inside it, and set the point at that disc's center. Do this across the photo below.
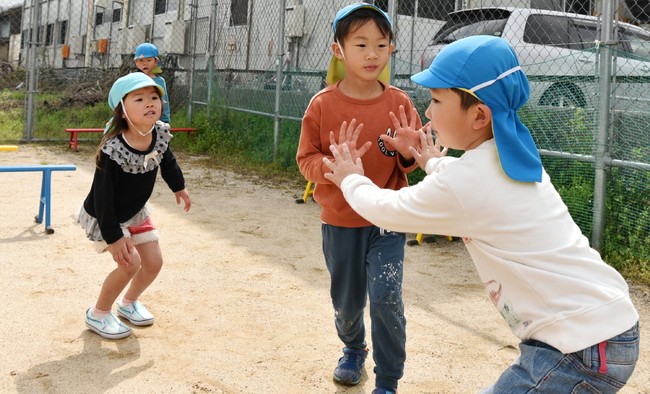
(12, 124)
(244, 143)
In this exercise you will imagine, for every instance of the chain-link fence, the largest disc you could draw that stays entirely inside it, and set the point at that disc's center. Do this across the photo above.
(588, 62)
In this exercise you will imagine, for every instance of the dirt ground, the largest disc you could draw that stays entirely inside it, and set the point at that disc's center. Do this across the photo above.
(241, 304)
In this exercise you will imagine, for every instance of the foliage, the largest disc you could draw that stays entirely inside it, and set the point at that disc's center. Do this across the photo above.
(244, 143)
(626, 241)
(12, 122)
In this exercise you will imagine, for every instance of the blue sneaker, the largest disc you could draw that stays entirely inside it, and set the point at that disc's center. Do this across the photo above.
(109, 326)
(348, 370)
(381, 390)
(135, 313)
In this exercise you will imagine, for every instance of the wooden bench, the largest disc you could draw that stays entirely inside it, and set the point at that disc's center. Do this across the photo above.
(45, 204)
(74, 134)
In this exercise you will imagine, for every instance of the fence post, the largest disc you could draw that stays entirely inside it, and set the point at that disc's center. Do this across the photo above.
(278, 81)
(601, 151)
(392, 13)
(32, 83)
(90, 34)
(192, 48)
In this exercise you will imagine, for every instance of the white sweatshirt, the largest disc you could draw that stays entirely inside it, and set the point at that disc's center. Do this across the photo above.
(536, 265)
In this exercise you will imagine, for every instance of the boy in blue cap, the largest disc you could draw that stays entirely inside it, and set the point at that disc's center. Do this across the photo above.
(364, 261)
(146, 60)
(572, 312)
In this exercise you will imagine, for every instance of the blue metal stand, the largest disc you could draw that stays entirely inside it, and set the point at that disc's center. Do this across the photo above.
(45, 202)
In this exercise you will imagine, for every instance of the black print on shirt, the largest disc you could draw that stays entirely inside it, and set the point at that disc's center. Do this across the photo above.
(382, 146)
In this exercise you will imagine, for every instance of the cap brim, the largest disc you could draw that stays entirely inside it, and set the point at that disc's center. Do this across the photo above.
(345, 11)
(336, 72)
(141, 85)
(427, 79)
(130, 88)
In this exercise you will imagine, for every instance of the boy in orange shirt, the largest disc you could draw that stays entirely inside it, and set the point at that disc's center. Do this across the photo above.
(363, 260)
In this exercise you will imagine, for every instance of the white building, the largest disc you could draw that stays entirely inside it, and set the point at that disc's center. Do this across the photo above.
(235, 34)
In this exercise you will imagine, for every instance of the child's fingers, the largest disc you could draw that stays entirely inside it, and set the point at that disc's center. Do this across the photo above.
(341, 154)
(346, 132)
(331, 165)
(335, 152)
(402, 115)
(362, 151)
(332, 140)
(344, 125)
(121, 258)
(414, 113)
(429, 134)
(414, 152)
(395, 121)
(424, 138)
(355, 134)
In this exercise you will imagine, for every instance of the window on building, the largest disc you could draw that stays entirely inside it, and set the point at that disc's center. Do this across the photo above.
(163, 6)
(63, 31)
(238, 12)
(160, 7)
(4, 31)
(49, 34)
(99, 18)
(425, 9)
(117, 15)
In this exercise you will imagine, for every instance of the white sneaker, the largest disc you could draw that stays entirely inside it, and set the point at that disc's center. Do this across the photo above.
(109, 326)
(135, 313)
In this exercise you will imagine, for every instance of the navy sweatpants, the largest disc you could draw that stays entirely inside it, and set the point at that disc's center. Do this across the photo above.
(368, 262)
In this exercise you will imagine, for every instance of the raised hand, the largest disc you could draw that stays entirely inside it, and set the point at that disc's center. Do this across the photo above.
(428, 148)
(404, 133)
(343, 164)
(349, 134)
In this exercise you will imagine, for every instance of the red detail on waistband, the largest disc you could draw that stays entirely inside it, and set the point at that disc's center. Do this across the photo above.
(143, 227)
(603, 358)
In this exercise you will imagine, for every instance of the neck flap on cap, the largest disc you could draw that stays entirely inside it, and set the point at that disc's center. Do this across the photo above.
(488, 67)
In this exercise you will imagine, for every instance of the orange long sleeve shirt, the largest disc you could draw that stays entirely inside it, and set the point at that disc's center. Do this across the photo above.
(326, 111)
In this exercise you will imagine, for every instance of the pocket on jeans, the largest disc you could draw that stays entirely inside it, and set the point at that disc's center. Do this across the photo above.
(584, 388)
(623, 349)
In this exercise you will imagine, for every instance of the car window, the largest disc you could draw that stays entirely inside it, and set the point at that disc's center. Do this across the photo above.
(588, 33)
(490, 28)
(638, 42)
(552, 30)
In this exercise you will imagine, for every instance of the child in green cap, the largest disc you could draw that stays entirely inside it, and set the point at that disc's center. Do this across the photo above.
(116, 214)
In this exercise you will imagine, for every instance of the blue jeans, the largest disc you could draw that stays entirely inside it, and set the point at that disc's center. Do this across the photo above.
(543, 369)
(368, 262)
